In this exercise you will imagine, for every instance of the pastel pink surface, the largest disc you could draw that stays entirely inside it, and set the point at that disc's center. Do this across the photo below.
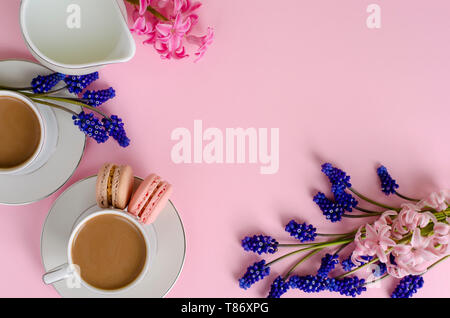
(337, 90)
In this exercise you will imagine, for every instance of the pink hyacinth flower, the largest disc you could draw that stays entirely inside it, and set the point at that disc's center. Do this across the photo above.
(185, 6)
(376, 242)
(143, 4)
(385, 218)
(203, 43)
(169, 38)
(413, 257)
(440, 239)
(141, 27)
(441, 229)
(396, 271)
(436, 200)
(408, 219)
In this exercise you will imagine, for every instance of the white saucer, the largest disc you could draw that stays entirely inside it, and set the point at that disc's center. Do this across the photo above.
(166, 233)
(37, 185)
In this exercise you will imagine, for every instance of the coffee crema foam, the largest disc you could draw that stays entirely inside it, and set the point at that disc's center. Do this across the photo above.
(20, 132)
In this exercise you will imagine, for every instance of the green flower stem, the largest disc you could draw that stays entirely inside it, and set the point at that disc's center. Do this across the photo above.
(356, 216)
(405, 197)
(325, 234)
(314, 247)
(441, 216)
(437, 262)
(295, 245)
(366, 210)
(45, 94)
(151, 10)
(357, 269)
(446, 212)
(377, 280)
(286, 255)
(341, 248)
(339, 236)
(65, 100)
(403, 240)
(301, 261)
(25, 91)
(381, 205)
(16, 88)
(342, 235)
(429, 267)
(56, 106)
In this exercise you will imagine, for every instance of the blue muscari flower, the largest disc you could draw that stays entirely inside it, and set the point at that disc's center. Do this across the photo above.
(333, 211)
(379, 270)
(115, 129)
(348, 265)
(302, 232)
(91, 126)
(392, 259)
(260, 244)
(278, 288)
(338, 178)
(408, 286)
(345, 200)
(296, 281)
(43, 84)
(332, 284)
(327, 265)
(351, 286)
(76, 83)
(388, 185)
(254, 273)
(308, 283)
(96, 98)
(348, 286)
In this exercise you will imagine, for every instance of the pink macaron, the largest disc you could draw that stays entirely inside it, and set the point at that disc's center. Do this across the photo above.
(114, 186)
(149, 199)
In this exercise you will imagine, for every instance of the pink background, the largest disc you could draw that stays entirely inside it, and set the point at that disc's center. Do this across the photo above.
(337, 90)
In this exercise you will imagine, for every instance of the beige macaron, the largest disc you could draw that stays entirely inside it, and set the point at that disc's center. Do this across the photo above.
(114, 186)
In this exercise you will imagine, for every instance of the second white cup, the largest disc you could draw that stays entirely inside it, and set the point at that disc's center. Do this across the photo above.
(48, 140)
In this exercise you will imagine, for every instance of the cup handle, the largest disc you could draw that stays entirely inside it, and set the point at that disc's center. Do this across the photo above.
(57, 274)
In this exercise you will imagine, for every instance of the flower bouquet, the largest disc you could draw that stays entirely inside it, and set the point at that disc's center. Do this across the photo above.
(403, 242)
(100, 129)
(168, 25)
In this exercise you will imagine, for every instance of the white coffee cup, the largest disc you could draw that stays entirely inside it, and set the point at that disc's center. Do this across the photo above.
(48, 140)
(70, 271)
